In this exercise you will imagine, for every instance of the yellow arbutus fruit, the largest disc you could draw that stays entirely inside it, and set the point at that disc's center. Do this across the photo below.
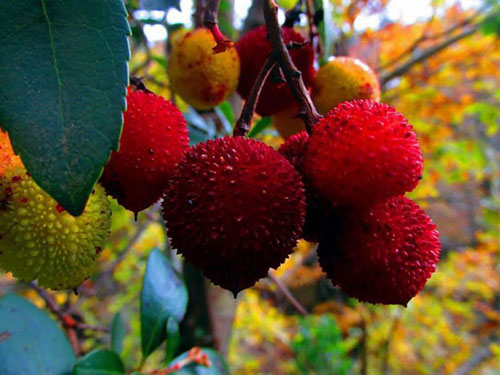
(287, 123)
(40, 240)
(201, 77)
(343, 79)
(7, 157)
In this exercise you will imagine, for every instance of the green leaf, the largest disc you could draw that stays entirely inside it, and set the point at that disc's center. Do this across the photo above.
(160, 4)
(173, 338)
(227, 110)
(100, 362)
(327, 29)
(262, 124)
(163, 294)
(64, 74)
(217, 365)
(117, 334)
(30, 342)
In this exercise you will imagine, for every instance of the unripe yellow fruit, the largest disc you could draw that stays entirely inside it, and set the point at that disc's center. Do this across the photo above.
(40, 240)
(287, 4)
(199, 76)
(7, 157)
(343, 79)
(286, 123)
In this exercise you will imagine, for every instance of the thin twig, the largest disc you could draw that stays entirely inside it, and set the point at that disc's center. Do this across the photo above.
(244, 122)
(307, 110)
(313, 30)
(404, 68)
(287, 294)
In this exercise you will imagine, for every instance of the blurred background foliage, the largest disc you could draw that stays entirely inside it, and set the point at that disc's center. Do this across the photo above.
(438, 64)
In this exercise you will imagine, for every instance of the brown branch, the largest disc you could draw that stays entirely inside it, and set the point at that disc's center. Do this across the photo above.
(199, 13)
(307, 111)
(313, 30)
(287, 294)
(244, 122)
(404, 68)
(211, 21)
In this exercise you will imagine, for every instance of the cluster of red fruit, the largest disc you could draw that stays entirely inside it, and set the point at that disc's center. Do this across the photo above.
(235, 207)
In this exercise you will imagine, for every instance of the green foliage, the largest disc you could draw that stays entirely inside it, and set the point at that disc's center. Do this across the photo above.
(117, 334)
(99, 362)
(326, 29)
(260, 126)
(319, 348)
(173, 338)
(61, 98)
(164, 294)
(30, 342)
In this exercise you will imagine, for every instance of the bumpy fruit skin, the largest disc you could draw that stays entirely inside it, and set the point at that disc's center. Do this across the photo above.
(7, 157)
(286, 122)
(253, 49)
(40, 240)
(153, 140)
(234, 209)
(383, 255)
(363, 152)
(199, 76)
(343, 79)
(294, 150)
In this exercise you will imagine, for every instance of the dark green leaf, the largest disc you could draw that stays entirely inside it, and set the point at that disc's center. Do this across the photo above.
(262, 124)
(117, 334)
(64, 74)
(160, 4)
(30, 342)
(217, 365)
(173, 338)
(163, 294)
(100, 362)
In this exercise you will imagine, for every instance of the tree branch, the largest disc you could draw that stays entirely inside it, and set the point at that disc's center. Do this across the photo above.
(307, 111)
(404, 68)
(244, 122)
(287, 294)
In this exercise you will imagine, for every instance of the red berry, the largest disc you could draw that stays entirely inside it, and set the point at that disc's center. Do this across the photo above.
(363, 152)
(235, 208)
(253, 49)
(382, 255)
(316, 208)
(153, 140)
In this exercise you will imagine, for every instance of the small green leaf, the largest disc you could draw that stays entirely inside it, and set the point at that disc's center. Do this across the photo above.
(117, 334)
(217, 365)
(163, 294)
(227, 110)
(262, 124)
(30, 342)
(173, 338)
(160, 4)
(100, 362)
(327, 29)
(64, 74)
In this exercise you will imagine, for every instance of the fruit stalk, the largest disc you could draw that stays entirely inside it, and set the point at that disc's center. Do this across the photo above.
(242, 126)
(307, 110)
(211, 21)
